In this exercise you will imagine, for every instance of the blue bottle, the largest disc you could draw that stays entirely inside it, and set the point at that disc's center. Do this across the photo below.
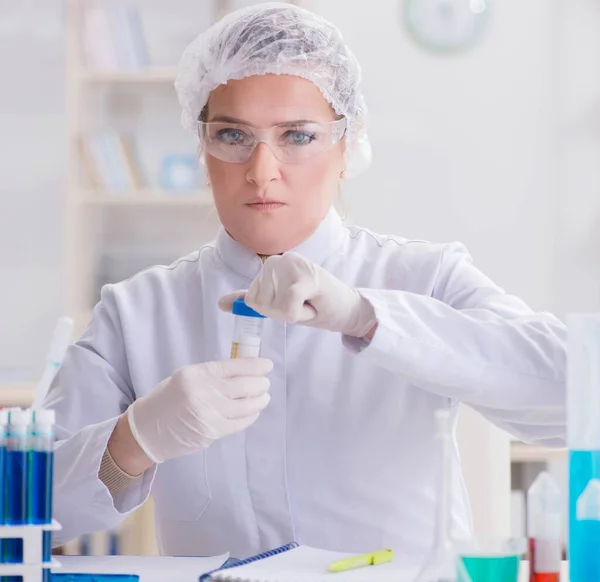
(3, 428)
(583, 440)
(40, 476)
(15, 482)
(588, 523)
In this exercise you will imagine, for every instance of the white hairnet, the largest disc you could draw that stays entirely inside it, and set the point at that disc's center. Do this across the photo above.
(277, 38)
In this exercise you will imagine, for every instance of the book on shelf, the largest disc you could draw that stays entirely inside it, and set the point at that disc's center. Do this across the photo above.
(108, 162)
(112, 38)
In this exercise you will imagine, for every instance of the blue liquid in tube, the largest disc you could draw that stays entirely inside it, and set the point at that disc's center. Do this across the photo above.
(15, 505)
(3, 420)
(583, 466)
(15, 484)
(2, 479)
(40, 499)
(40, 477)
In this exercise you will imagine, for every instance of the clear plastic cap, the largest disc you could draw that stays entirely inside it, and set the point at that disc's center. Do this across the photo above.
(583, 381)
(19, 420)
(588, 504)
(19, 416)
(544, 508)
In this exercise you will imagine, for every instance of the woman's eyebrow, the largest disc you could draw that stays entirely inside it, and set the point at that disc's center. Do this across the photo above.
(229, 119)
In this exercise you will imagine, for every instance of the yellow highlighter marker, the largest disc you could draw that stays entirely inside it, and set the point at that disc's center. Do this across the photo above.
(370, 559)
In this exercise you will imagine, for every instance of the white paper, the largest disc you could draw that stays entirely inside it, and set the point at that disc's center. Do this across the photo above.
(305, 564)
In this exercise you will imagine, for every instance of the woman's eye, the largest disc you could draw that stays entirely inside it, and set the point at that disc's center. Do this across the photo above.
(298, 138)
(231, 136)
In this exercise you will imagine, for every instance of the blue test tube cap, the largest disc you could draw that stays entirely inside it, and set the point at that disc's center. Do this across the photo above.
(240, 308)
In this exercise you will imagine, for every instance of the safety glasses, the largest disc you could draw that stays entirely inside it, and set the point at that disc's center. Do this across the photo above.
(290, 142)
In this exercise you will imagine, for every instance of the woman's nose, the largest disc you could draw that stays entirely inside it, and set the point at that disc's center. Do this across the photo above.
(264, 166)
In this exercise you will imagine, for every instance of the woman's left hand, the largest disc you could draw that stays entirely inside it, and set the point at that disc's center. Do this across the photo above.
(292, 289)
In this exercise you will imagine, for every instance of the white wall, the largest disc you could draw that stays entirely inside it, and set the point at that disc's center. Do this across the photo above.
(577, 261)
(463, 144)
(32, 161)
(33, 148)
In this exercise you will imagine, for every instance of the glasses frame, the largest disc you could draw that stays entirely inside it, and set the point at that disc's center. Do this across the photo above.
(260, 133)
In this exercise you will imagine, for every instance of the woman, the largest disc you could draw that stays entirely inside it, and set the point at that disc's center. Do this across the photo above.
(327, 438)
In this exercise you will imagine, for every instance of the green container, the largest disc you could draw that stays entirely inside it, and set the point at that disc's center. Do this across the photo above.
(492, 568)
(492, 560)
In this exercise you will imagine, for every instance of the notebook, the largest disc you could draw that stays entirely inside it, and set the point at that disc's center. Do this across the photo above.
(294, 563)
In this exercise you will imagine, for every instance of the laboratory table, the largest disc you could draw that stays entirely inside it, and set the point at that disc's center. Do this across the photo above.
(169, 569)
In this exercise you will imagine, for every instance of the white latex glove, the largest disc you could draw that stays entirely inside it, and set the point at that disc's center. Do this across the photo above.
(292, 289)
(198, 405)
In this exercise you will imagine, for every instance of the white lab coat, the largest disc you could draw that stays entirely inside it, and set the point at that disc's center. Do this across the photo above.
(343, 457)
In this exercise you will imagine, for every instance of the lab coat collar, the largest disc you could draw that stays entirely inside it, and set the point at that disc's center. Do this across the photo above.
(315, 248)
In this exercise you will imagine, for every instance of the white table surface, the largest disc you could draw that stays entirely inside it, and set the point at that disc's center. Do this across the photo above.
(169, 569)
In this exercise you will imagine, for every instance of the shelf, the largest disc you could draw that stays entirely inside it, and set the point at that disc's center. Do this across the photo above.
(524, 453)
(151, 75)
(16, 393)
(147, 198)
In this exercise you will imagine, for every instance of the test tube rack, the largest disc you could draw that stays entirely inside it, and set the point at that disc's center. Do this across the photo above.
(32, 566)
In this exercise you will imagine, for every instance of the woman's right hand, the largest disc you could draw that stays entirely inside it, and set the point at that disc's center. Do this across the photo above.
(198, 405)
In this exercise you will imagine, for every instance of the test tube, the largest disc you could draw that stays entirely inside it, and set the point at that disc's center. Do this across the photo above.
(583, 430)
(588, 524)
(41, 464)
(3, 422)
(544, 525)
(247, 331)
(15, 484)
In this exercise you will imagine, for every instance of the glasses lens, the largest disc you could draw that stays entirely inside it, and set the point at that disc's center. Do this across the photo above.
(229, 142)
(306, 140)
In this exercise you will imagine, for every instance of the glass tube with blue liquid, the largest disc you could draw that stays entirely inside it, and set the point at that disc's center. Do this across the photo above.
(3, 430)
(583, 439)
(40, 475)
(15, 482)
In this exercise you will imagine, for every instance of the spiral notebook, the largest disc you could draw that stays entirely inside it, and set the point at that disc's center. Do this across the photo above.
(294, 563)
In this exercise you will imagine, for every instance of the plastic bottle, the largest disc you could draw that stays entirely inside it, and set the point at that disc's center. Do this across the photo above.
(544, 529)
(247, 331)
(587, 522)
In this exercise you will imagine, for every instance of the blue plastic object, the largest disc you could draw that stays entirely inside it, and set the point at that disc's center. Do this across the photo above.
(40, 486)
(16, 505)
(240, 308)
(63, 577)
(584, 535)
(179, 172)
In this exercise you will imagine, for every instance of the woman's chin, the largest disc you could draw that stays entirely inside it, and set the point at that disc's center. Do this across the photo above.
(265, 244)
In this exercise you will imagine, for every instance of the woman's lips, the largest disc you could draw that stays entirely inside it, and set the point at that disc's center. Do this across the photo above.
(265, 205)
